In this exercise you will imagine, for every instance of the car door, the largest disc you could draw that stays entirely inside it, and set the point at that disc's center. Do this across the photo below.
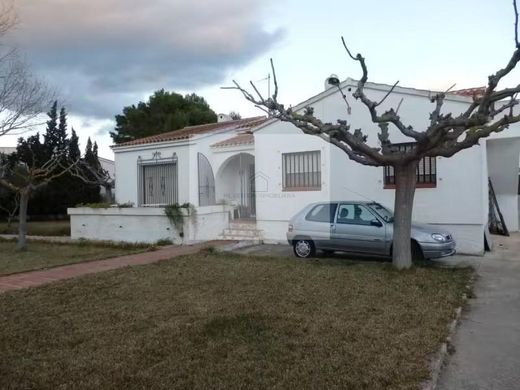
(318, 224)
(357, 229)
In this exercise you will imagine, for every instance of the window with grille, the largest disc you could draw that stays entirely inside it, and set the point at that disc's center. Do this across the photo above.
(157, 181)
(426, 169)
(301, 171)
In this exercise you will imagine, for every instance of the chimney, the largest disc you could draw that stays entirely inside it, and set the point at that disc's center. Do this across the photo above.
(331, 81)
(224, 118)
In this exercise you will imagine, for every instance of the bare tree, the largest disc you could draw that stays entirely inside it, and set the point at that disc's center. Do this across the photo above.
(11, 209)
(446, 134)
(22, 96)
(26, 178)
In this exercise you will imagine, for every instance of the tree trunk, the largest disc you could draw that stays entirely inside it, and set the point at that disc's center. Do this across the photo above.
(405, 180)
(22, 220)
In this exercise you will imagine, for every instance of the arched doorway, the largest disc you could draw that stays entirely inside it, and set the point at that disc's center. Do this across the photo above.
(235, 184)
(206, 181)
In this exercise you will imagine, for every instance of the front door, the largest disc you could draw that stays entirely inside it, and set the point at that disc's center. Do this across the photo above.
(353, 230)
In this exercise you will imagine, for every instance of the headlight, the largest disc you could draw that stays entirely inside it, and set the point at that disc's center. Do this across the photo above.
(438, 237)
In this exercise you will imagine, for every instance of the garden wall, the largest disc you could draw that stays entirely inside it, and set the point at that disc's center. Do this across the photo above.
(146, 224)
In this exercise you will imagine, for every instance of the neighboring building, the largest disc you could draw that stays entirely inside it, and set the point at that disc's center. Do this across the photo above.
(266, 171)
(110, 167)
(7, 150)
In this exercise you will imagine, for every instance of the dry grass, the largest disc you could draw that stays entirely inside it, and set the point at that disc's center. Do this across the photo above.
(39, 228)
(212, 321)
(47, 254)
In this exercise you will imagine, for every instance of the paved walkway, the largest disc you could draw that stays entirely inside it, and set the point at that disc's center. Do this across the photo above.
(63, 239)
(487, 342)
(38, 278)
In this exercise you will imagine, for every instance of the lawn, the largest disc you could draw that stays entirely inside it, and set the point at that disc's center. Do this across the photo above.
(46, 254)
(211, 321)
(39, 228)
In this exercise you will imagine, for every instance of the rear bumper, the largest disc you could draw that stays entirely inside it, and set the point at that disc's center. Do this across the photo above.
(435, 250)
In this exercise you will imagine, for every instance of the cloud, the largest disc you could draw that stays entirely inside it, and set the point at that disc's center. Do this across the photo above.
(104, 54)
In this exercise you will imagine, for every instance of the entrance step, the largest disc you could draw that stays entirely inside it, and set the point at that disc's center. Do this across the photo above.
(242, 230)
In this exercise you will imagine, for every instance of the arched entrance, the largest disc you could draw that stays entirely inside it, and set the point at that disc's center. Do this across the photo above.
(235, 184)
(206, 181)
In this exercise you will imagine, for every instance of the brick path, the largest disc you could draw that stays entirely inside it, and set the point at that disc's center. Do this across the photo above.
(38, 278)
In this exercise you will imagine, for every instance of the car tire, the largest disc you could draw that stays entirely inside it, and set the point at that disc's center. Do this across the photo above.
(417, 253)
(304, 248)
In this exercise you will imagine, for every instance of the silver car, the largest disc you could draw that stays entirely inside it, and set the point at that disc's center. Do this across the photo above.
(360, 227)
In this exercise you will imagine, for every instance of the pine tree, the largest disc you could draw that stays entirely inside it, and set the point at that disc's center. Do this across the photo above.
(74, 152)
(61, 133)
(50, 137)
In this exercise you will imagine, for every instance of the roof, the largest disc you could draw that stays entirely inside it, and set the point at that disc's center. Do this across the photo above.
(190, 131)
(478, 91)
(245, 138)
(460, 95)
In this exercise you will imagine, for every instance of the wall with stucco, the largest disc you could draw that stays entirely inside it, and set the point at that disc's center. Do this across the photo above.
(146, 224)
(459, 202)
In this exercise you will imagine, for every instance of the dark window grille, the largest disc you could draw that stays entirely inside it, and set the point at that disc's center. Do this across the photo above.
(157, 180)
(426, 168)
(301, 171)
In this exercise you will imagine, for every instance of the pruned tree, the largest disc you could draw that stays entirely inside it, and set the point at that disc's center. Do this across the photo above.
(234, 115)
(27, 176)
(23, 97)
(445, 135)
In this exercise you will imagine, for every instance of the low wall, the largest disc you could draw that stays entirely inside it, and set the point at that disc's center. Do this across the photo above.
(146, 224)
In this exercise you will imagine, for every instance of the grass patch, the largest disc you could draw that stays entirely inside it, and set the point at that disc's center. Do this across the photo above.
(48, 254)
(39, 228)
(226, 321)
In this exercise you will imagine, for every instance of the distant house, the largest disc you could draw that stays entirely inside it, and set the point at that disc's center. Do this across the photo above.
(7, 150)
(248, 177)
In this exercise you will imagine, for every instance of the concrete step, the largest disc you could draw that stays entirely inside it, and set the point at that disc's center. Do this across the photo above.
(242, 226)
(247, 241)
(242, 232)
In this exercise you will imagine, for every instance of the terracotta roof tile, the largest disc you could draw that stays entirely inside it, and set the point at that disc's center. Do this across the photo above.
(469, 92)
(190, 131)
(246, 138)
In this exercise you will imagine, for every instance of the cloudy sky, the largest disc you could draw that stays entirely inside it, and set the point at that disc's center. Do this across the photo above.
(101, 55)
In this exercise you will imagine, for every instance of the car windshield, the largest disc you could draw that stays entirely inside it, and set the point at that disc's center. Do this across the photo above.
(383, 212)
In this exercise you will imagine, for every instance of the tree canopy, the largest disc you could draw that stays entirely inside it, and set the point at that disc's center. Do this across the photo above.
(163, 112)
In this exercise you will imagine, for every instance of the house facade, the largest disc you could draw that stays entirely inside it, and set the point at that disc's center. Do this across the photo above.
(263, 171)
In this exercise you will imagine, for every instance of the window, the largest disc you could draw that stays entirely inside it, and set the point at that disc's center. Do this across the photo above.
(322, 213)
(157, 181)
(426, 170)
(301, 171)
(354, 214)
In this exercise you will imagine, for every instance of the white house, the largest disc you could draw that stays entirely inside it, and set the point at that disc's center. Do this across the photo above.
(262, 171)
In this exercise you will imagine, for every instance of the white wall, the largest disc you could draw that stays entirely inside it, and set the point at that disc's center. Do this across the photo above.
(126, 164)
(274, 207)
(146, 224)
(503, 159)
(459, 201)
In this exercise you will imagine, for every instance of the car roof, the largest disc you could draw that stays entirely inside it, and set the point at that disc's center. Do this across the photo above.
(365, 202)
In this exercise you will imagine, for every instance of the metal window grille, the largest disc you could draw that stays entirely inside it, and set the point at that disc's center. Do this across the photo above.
(206, 182)
(426, 168)
(301, 170)
(157, 181)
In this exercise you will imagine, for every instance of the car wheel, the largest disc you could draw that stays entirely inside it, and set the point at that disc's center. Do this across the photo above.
(417, 253)
(328, 252)
(304, 248)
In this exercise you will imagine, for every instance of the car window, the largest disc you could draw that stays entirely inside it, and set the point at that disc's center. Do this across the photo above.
(383, 212)
(354, 214)
(322, 213)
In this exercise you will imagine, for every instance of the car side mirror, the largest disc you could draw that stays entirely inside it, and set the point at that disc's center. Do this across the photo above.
(376, 222)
